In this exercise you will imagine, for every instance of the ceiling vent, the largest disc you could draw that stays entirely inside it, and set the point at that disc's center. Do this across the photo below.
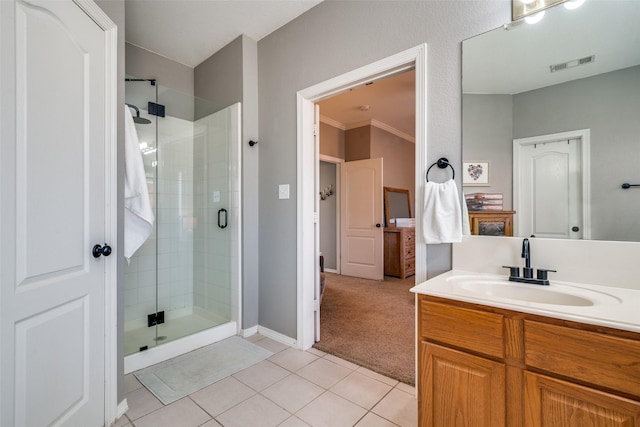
(573, 63)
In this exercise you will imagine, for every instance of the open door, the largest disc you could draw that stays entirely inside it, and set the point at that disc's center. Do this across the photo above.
(57, 149)
(361, 211)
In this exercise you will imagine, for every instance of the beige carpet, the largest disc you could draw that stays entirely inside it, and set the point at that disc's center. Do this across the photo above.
(370, 323)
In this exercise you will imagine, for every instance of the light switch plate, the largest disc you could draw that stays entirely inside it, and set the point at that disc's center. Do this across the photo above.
(283, 191)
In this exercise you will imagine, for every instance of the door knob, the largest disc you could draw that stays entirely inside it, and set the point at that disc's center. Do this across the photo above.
(378, 225)
(101, 250)
(575, 228)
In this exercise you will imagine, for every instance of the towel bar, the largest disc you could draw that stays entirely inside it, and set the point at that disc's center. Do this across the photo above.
(442, 163)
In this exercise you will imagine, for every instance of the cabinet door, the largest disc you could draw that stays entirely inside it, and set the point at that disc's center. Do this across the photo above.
(458, 389)
(555, 403)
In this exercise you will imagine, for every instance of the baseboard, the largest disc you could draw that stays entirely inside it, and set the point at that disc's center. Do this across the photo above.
(331, 270)
(244, 333)
(277, 336)
(122, 408)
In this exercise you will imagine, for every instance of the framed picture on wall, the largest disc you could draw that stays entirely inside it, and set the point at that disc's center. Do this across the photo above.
(475, 173)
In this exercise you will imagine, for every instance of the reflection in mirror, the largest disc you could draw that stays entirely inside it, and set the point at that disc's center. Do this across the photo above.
(566, 93)
(396, 204)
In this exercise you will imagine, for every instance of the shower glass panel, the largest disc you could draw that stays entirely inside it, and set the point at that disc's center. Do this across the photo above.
(179, 282)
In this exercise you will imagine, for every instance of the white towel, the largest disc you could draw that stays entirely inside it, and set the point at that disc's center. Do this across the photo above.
(138, 215)
(466, 227)
(442, 216)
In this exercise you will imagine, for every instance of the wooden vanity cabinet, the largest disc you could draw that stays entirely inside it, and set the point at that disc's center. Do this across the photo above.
(491, 223)
(484, 366)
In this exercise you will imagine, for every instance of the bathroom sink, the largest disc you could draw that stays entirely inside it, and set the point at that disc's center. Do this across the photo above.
(554, 294)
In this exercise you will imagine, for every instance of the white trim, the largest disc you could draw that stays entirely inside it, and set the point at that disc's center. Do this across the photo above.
(123, 407)
(330, 159)
(175, 348)
(584, 135)
(384, 127)
(111, 407)
(331, 270)
(277, 336)
(333, 123)
(244, 333)
(406, 60)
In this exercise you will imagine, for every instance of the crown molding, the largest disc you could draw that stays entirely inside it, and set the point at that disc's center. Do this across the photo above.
(331, 122)
(385, 127)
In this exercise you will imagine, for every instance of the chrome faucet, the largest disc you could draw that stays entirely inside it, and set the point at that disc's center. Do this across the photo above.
(527, 271)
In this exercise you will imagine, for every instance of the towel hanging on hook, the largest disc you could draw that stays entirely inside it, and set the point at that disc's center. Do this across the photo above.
(442, 163)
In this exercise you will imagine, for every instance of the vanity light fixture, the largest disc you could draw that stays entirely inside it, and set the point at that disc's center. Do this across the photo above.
(573, 4)
(525, 8)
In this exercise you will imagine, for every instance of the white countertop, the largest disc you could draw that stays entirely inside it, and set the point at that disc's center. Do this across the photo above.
(609, 306)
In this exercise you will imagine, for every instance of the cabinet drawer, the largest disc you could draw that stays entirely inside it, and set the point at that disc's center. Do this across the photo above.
(410, 251)
(593, 357)
(462, 327)
(410, 236)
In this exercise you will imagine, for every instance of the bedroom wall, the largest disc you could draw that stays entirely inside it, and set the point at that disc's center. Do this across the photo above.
(329, 40)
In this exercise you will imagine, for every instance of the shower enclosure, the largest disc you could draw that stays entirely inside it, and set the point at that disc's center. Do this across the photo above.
(184, 282)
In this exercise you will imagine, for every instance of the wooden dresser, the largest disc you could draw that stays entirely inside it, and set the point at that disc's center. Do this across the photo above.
(399, 251)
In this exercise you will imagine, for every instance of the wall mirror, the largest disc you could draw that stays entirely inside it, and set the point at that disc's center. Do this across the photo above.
(573, 76)
(397, 203)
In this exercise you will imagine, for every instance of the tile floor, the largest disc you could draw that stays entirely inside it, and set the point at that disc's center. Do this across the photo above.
(292, 388)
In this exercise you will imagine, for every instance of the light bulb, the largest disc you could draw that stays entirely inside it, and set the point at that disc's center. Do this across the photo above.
(573, 4)
(535, 18)
(527, 1)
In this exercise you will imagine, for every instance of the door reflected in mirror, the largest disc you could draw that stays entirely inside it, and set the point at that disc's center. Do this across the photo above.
(574, 71)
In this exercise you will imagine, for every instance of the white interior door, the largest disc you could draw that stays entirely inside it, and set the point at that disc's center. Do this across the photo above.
(549, 189)
(53, 150)
(361, 222)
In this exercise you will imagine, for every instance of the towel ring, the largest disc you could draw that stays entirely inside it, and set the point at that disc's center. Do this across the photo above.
(442, 163)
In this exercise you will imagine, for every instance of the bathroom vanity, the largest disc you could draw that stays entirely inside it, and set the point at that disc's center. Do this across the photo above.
(525, 359)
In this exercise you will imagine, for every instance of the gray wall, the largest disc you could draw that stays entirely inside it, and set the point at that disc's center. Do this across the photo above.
(227, 77)
(115, 10)
(329, 40)
(487, 134)
(399, 161)
(331, 141)
(609, 105)
(328, 216)
(144, 64)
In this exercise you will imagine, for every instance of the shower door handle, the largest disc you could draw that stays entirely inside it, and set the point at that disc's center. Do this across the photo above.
(220, 212)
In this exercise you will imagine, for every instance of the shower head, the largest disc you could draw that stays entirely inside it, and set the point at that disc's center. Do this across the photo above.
(137, 118)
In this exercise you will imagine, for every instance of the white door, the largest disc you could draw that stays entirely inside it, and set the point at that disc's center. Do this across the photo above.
(549, 189)
(361, 222)
(52, 188)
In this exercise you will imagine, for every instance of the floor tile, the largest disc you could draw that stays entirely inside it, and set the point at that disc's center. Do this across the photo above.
(292, 359)
(131, 383)
(341, 362)
(373, 420)
(324, 373)
(293, 392)
(271, 345)
(294, 422)
(261, 375)
(377, 376)
(407, 388)
(361, 390)
(211, 423)
(222, 395)
(123, 421)
(330, 410)
(317, 352)
(141, 402)
(183, 413)
(257, 411)
(398, 407)
(254, 338)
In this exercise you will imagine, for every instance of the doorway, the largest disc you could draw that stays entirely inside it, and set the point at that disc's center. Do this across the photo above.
(308, 188)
